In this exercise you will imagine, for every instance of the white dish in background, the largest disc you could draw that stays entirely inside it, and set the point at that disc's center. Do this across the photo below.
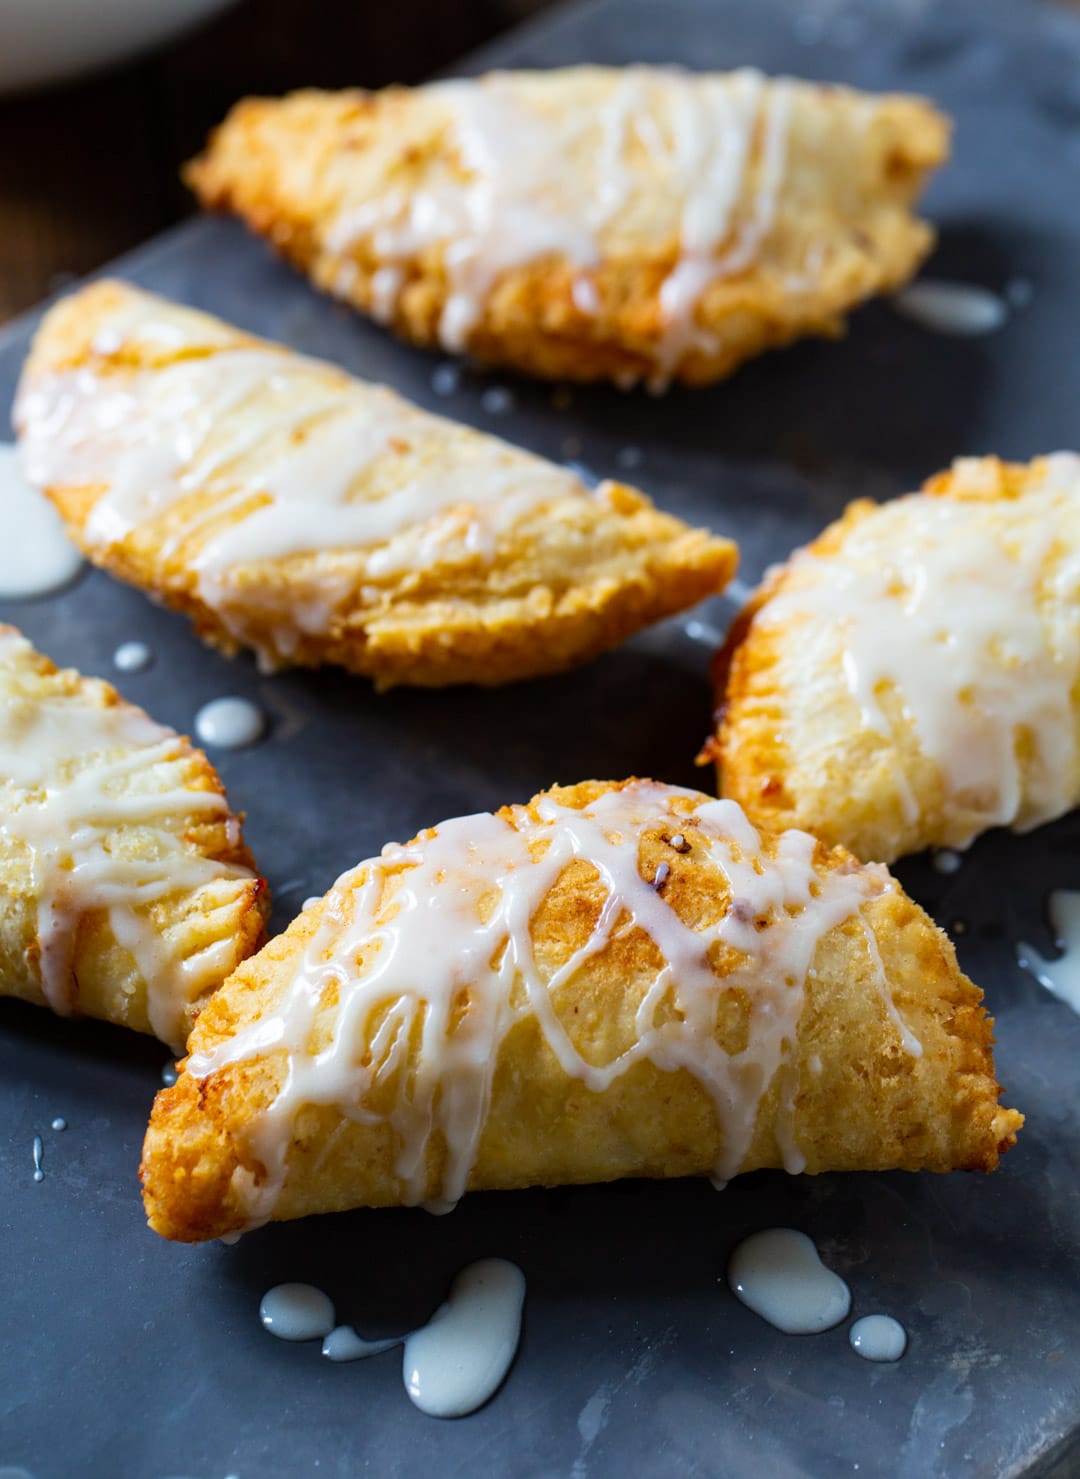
(50, 40)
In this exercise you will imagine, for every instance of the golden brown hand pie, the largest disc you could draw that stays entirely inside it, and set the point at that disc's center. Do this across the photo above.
(614, 980)
(286, 507)
(590, 223)
(913, 677)
(126, 891)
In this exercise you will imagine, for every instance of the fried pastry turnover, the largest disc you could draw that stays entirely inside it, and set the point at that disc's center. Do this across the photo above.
(127, 892)
(613, 980)
(912, 678)
(589, 223)
(287, 507)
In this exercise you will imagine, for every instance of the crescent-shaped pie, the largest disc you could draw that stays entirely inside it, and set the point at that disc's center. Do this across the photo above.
(614, 980)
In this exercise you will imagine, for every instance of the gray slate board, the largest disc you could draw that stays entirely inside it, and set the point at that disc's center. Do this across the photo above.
(125, 1358)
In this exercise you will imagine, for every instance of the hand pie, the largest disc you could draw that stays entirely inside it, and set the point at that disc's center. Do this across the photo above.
(289, 508)
(592, 223)
(913, 677)
(614, 980)
(126, 891)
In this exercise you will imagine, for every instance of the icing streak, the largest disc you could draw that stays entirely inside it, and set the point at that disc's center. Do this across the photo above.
(402, 936)
(966, 609)
(530, 184)
(95, 799)
(253, 454)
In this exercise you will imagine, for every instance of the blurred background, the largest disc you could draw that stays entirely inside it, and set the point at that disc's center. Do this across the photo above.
(88, 167)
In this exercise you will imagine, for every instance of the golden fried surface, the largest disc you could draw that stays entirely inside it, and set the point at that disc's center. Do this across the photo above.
(287, 507)
(590, 223)
(126, 891)
(858, 1099)
(973, 695)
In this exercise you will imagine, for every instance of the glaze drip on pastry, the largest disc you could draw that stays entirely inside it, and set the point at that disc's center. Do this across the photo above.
(963, 612)
(90, 806)
(445, 958)
(538, 187)
(291, 446)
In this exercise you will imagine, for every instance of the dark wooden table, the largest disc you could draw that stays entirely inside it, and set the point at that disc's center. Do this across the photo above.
(90, 169)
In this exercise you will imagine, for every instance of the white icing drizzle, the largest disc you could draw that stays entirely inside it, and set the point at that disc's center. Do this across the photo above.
(36, 557)
(39, 1150)
(459, 912)
(257, 454)
(1060, 976)
(73, 780)
(451, 1365)
(132, 657)
(455, 1362)
(344, 1344)
(878, 1338)
(230, 723)
(296, 1312)
(715, 141)
(779, 1274)
(536, 185)
(966, 610)
(958, 309)
(59, 1123)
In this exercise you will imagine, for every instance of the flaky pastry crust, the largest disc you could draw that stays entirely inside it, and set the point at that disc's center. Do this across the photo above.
(567, 577)
(842, 230)
(791, 746)
(860, 1100)
(204, 931)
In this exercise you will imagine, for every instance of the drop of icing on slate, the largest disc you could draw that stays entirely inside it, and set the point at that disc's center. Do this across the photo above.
(438, 1206)
(947, 861)
(446, 380)
(702, 631)
(39, 1147)
(59, 1123)
(1061, 977)
(132, 657)
(878, 1338)
(455, 1362)
(230, 723)
(780, 1276)
(343, 1344)
(452, 1364)
(36, 556)
(296, 1312)
(496, 400)
(955, 308)
(168, 1075)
